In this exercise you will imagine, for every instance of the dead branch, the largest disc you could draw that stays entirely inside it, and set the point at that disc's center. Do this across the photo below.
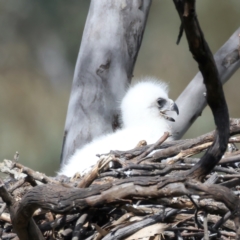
(214, 96)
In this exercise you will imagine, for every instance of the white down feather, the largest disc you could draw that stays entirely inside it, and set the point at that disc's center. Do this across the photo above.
(141, 120)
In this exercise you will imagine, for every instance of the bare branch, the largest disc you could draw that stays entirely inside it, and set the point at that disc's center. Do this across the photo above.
(214, 96)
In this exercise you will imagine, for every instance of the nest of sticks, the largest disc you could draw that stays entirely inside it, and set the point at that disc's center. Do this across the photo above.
(146, 215)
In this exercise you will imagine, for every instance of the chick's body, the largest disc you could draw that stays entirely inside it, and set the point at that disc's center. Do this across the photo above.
(141, 120)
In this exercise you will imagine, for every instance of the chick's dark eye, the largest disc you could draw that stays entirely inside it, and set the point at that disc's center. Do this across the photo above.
(161, 102)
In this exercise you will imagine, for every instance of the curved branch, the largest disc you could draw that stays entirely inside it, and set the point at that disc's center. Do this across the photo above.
(62, 199)
(215, 95)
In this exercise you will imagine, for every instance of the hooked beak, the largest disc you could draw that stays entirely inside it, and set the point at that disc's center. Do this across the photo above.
(172, 107)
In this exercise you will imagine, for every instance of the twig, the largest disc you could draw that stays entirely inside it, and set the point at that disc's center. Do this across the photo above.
(153, 147)
(181, 29)
(35, 175)
(205, 224)
(79, 227)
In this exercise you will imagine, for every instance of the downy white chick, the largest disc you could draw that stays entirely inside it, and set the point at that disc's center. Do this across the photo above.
(144, 117)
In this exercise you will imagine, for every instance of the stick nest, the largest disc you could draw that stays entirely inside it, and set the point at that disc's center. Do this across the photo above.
(112, 209)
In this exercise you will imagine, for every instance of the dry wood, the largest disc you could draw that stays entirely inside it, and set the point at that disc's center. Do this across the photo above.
(142, 191)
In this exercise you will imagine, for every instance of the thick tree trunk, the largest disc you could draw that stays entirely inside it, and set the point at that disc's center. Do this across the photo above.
(110, 44)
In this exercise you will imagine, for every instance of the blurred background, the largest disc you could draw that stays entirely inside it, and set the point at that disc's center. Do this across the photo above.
(39, 43)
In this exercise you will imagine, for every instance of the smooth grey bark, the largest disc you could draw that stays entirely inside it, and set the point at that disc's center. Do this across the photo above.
(192, 100)
(109, 48)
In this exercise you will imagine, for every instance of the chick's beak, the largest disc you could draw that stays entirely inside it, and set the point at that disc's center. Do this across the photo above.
(171, 107)
(174, 108)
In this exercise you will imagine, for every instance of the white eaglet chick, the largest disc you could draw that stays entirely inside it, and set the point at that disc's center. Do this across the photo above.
(144, 117)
